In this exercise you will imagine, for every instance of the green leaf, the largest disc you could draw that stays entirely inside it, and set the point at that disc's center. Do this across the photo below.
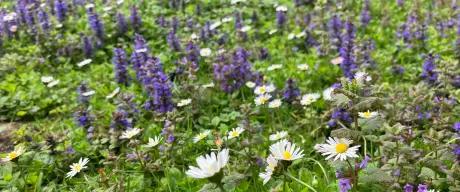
(375, 175)
(215, 121)
(21, 113)
(426, 173)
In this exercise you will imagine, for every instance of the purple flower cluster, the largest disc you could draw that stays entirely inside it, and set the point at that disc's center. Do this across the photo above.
(365, 16)
(96, 24)
(281, 18)
(429, 75)
(173, 42)
(344, 184)
(120, 66)
(335, 30)
(120, 120)
(121, 24)
(87, 46)
(43, 19)
(291, 92)
(61, 10)
(82, 89)
(157, 85)
(342, 115)
(235, 73)
(346, 51)
(136, 20)
(139, 55)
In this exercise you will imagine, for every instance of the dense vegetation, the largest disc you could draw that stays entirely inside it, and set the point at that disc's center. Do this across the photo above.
(240, 95)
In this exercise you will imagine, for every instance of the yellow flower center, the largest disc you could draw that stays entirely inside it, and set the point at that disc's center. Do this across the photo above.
(202, 135)
(304, 67)
(276, 105)
(262, 89)
(341, 147)
(263, 100)
(278, 136)
(287, 155)
(367, 114)
(13, 155)
(234, 134)
(210, 168)
(219, 142)
(271, 165)
(77, 167)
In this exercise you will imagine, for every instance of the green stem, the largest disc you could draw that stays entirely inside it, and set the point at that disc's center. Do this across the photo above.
(322, 169)
(353, 177)
(286, 174)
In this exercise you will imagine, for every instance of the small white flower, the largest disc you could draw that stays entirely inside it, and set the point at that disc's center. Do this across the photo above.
(114, 92)
(141, 50)
(278, 135)
(337, 60)
(201, 136)
(272, 31)
(245, 28)
(262, 99)
(184, 102)
(12, 155)
(14, 28)
(227, 19)
(119, 2)
(259, 90)
(205, 52)
(59, 25)
(107, 8)
(368, 114)
(327, 93)
(235, 132)
(77, 167)
(238, 1)
(301, 34)
(43, 5)
(291, 36)
(308, 99)
(275, 103)
(360, 76)
(284, 150)
(272, 163)
(208, 85)
(338, 147)
(53, 83)
(281, 8)
(215, 25)
(275, 66)
(250, 84)
(9, 16)
(153, 142)
(128, 134)
(88, 93)
(266, 176)
(47, 79)
(194, 36)
(208, 165)
(303, 67)
(89, 6)
(84, 62)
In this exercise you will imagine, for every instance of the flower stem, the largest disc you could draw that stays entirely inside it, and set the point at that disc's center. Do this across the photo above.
(286, 174)
(353, 176)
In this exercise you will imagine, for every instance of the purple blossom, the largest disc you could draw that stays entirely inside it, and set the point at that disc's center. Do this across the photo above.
(456, 126)
(422, 188)
(157, 85)
(291, 92)
(140, 55)
(121, 24)
(120, 120)
(335, 29)
(342, 115)
(43, 19)
(87, 47)
(83, 88)
(234, 74)
(170, 138)
(136, 20)
(344, 185)
(96, 25)
(346, 51)
(61, 10)
(365, 16)
(280, 18)
(173, 42)
(363, 164)
(429, 75)
(409, 188)
(120, 66)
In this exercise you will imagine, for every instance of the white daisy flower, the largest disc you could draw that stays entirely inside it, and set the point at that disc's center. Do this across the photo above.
(88, 93)
(201, 136)
(84, 62)
(338, 147)
(208, 165)
(272, 163)
(227, 19)
(53, 83)
(308, 99)
(337, 60)
(208, 85)
(89, 6)
(279, 135)
(141, 50)
(291, 36)
(47, 79)
(184, 102)
(269, 88)
(114, 92)
(235, 132)
(368, 114)
(261, 99)
(12, 155)
(284, 150)
(327, 93)
(215, 25)
(245, 28)
(119, 2)
(205, 52)
(360, 76)
(128, 134)
(303, 67)
(275, 103)
(59, 25)
(259, 90)
(250, 84)
(194, 36)
(153, 141)
(281, 8)
(77, 167)
(273, 67)
(238, 1)
(301, 34)
(266, 176)
(272, 31)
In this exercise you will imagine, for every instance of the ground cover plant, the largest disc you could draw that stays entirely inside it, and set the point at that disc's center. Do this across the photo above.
(229, 95)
